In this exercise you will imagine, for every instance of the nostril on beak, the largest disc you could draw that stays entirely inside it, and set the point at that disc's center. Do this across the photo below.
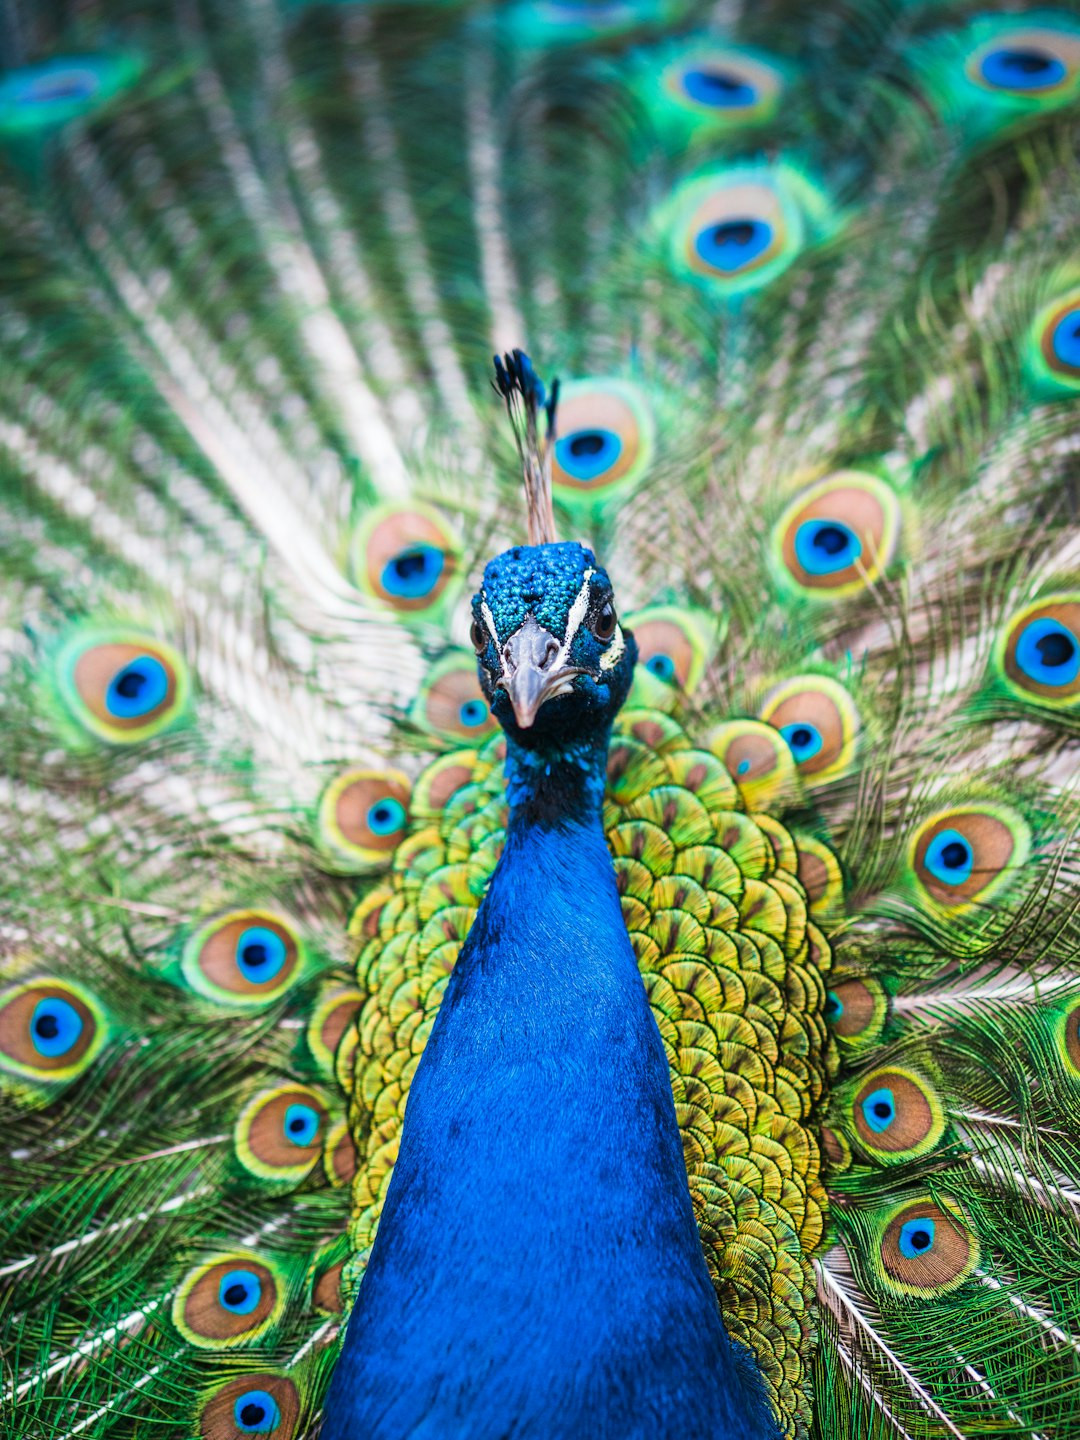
(550, 651)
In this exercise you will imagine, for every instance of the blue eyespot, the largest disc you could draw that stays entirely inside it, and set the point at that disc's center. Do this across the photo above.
(879, 1109)
(301, 1124)
(1022, 69)
(949, 857)
(1048, 653)
(733, 244)
(138, 688)
(662, 666)
(58, 85)
(55, 1026)
(256, 1413)
(413, 573)
(825, 546)
(1065, 341)
(260, 953)
(43, 96)
(721, 90)
(916, 1238)
(472, 713)
(743, 767)
(240, 1291)
(386, 816)
(804, 740)
(834, 1006)
(586, 454)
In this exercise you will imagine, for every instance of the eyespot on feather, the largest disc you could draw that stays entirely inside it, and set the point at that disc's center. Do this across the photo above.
(120, 686)
(856, 1008)
(246, 958)
(673, 644)
(339, 1156)
(1027, 62)
(1069, 1039)
(451, 703)
(1000, 70)
(1037, 656)
(759, 761)
(326, 1293)
(230, 1300)
(838, 536)
(50, 1030)
(836, 1148)
(820, 875)
(346, 1058)
(439, 782)
(925, 1249)
(362, 817)
(605, 442)
(963, 855)
(335, 1010)
(703, 88)
(279, 1133)
(737, 234)
(35, 99)
(737, 229)
(1051, 348)
(405, 559)
(260, 1403)
(896, 1114)
(818, 720)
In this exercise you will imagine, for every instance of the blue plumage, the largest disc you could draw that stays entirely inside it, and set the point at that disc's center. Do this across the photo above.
(538, 1270)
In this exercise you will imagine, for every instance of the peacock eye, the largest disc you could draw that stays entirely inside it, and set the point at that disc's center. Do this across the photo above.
(479, 637)
(604, 624)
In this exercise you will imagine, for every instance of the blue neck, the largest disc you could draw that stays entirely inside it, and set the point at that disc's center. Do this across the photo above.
(537, 1270)
(558, 785)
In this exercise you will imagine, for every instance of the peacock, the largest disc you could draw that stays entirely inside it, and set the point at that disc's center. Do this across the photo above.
(595, 957)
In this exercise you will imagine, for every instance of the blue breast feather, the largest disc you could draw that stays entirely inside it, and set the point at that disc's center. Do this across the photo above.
(537, 1271)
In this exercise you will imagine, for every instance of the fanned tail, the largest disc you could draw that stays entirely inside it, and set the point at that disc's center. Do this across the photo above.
(810, 285)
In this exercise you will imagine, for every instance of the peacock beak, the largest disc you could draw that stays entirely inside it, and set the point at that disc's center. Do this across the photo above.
(534, 669)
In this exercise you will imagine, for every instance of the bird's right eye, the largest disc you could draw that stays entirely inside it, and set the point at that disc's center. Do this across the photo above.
(479, 637)
(604, 624)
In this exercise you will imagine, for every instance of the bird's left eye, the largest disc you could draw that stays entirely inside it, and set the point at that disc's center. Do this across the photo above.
(604, 624)
(479, 637)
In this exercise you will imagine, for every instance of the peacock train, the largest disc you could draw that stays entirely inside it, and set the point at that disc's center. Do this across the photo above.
(539, 901)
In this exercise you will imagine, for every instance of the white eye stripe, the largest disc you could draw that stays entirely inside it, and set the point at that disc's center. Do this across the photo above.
(613, 654)
(489, 619)
(578, 611)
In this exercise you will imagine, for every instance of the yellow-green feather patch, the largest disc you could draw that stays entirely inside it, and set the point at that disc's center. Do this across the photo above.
(736, 978)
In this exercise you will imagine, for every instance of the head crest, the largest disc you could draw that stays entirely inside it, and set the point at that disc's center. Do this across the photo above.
(526, 402)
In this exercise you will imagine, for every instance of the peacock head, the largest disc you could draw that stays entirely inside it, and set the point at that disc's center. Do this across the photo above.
(554, 662)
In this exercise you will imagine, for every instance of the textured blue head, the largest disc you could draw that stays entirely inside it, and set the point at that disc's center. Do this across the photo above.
(554, 662)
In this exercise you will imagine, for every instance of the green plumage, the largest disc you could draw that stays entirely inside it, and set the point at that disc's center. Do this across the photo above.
(809, 279)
